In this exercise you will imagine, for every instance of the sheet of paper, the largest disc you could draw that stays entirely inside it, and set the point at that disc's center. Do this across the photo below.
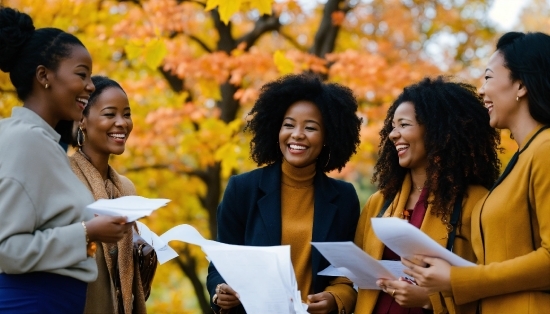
(406, 240)
(188, 234)
(133, 207)
(330, 271)
(354, 263)
(164, 252)
(255, 275)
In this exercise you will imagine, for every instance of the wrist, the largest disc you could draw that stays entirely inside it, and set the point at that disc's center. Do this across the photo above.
(91, 246)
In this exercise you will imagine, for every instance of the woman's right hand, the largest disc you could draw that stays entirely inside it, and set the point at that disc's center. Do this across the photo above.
(225, 297)
(108, 229)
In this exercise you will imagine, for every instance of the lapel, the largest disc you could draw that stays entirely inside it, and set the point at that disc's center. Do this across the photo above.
(269, 205)
(479, 250)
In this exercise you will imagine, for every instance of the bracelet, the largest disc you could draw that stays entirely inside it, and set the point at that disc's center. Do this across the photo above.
(91, 247)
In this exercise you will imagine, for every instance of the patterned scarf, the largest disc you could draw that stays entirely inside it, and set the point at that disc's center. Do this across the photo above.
(114, 188)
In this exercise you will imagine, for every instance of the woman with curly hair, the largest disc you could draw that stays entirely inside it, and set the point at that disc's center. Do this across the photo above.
(437, 158)
(511, 225)
(302, 128)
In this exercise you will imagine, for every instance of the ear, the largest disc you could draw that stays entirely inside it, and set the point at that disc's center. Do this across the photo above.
(522, 90)
(42, 75)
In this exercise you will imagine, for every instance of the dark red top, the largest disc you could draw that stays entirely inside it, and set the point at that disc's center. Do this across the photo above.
(385, 304)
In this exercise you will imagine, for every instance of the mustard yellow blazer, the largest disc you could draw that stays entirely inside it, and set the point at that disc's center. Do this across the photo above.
(512, 275)
(432, 226)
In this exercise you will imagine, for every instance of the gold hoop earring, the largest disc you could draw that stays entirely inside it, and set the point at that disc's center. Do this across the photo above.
(328, 159)
(46, 86)
(80, 136)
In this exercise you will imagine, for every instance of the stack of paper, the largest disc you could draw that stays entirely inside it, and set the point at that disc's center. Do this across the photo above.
(262, 276)
(133, 207)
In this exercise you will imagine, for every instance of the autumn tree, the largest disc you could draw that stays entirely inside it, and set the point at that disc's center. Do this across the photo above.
(193, 68)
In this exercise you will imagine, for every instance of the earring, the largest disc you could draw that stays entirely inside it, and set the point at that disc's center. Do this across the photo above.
(80, 136)
(517, 98)
(328, 159)
(46, 86)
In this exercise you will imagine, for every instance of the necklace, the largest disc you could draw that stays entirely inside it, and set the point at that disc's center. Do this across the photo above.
(419, 189)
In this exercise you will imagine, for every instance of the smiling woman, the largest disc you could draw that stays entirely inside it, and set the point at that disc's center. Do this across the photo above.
(46, 238)
(301, 129)
(103, 130)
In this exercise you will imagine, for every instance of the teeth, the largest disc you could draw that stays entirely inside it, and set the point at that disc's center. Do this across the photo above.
(292, 146)
(119, 136)
(83, 100)
(401, 147)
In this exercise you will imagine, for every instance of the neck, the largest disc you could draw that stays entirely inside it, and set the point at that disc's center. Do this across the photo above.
(40, 108)
(99, 161)
(418, 178)
(523, 124)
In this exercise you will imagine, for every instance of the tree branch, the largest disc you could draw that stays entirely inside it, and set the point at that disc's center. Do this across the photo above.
(263, 25)
(189, 268)
(325, 38)
(292, 41)
(200, 42)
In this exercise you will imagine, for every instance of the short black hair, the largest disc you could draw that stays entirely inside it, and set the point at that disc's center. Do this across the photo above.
(338, 108)
(460, 144)
(101, 83)
(23, 48)
(527, 56)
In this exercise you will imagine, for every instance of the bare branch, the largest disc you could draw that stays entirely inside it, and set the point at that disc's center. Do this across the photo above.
(292, 41)
(200, 42)
(325, 38)
(264, 24)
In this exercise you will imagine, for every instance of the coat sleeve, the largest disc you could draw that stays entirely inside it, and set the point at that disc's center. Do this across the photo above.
(523, 273)
(230, 230)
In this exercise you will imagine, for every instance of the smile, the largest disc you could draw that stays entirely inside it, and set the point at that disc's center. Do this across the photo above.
(117, 136)
(297, 147)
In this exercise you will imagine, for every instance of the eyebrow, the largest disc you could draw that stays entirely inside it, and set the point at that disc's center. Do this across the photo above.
(115, 108)
(84, 66)
(401, 119)
(489, 70)
(312, 121)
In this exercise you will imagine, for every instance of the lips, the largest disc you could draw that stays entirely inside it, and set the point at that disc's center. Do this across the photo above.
(118, 137)
(401, 148)
(82, 102)
(489, 106)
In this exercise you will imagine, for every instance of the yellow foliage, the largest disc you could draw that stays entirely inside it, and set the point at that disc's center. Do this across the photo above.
(284, 65)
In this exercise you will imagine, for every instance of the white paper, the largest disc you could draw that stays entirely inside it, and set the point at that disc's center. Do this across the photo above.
(164, 252)
(406, 241)
(133, 207)
(352, 262)
(262, 276)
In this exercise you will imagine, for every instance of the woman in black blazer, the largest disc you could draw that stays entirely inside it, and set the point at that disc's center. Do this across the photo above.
(302, 128)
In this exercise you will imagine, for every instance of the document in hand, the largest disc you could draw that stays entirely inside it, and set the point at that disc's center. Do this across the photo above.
(406, 240)
(164, 252)
(352, 262)
(262, 276)
(133, 207)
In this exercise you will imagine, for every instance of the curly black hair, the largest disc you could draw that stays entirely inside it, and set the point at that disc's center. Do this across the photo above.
(338, 108)
(460, 144)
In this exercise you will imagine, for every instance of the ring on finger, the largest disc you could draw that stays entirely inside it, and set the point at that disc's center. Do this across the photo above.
(392, 293)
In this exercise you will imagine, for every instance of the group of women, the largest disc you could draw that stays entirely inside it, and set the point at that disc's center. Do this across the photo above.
(437, 168)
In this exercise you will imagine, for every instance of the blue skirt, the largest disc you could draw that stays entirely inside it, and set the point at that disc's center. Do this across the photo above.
(41, 293)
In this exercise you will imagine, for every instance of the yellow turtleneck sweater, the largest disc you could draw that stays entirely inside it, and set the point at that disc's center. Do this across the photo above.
(297, 202)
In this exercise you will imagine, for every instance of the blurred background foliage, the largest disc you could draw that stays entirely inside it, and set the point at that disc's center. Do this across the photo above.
(193, 68)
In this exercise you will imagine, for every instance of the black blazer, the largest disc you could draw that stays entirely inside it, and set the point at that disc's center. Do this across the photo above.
(250, 214)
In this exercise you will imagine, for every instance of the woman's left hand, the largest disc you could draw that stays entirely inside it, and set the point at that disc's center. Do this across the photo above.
(321, 303)
(436, 277)
(406, 294)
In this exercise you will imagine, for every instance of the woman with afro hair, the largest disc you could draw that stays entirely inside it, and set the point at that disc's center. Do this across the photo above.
(302, 128)
(437, 158)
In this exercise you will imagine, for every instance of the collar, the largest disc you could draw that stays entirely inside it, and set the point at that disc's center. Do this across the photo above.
(32, 118)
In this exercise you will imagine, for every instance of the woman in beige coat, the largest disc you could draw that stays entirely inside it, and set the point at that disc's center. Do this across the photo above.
(511, 226)
(103, 130)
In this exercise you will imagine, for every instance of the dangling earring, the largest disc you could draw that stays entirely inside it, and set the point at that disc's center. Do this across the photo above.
(80, 136)
(46, 86)
(517, 98)
(328, 159)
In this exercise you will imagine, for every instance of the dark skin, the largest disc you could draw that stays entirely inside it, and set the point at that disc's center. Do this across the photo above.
(66, 85)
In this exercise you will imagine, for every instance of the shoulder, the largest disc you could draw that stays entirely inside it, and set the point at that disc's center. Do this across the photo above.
(373, 205)
(475, 193)
(253, 177)
(128, 185)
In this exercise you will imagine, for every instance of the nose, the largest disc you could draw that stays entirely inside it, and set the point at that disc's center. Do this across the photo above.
(394, 135)
(121, 121)
(90, 87)
(297, 133)
(481, 90)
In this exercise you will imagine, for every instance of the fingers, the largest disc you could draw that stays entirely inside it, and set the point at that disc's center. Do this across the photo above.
(417, 260)
(322, 302)
(119, 219)
(225, 297)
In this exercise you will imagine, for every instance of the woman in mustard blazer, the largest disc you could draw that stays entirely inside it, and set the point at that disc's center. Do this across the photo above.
(437, 158)
(511, 226)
